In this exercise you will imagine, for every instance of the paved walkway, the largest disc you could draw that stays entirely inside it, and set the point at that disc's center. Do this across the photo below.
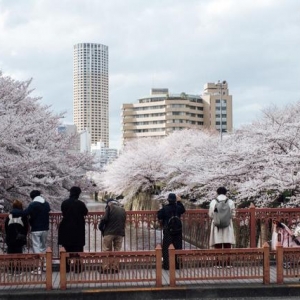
(204, 289)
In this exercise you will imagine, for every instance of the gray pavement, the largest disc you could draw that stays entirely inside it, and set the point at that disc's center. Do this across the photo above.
(221, 292)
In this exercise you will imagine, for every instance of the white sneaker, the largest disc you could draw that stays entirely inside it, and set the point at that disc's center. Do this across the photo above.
(218, 267)
(38, 271)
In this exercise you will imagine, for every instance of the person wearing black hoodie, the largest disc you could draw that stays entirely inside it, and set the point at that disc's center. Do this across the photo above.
(71, 231)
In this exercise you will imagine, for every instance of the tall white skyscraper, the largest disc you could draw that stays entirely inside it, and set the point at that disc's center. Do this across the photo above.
(90, 85)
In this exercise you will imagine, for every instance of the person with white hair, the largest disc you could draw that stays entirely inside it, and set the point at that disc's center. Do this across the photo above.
(112, 227)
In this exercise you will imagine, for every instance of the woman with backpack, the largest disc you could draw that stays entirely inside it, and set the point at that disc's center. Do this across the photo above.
(169, 217)
(16, 227)
(221, 212)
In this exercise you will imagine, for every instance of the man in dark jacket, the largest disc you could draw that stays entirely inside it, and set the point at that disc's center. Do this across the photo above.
(112, 226)
(71, 231)
(174, 208)
(38, 212)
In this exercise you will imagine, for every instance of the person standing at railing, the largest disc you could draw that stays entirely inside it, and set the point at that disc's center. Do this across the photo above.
(112, 227)
(16, 228)
(38, 212)
(173, 209)
(71, 230)
(222, 236)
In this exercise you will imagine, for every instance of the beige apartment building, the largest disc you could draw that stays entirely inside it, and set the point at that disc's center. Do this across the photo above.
(161, 112)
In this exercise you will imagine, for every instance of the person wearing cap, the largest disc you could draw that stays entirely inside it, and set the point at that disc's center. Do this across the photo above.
(174, 207)
(112, 227)
(71, 230)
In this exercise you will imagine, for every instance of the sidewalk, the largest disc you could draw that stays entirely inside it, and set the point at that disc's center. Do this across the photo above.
(216, 291)
(209, 289)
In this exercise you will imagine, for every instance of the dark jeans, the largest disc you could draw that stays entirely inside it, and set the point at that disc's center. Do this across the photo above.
(168, 239)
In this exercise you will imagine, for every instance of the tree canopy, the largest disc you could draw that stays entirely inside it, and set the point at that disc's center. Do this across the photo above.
(33, 153)
(257, 163)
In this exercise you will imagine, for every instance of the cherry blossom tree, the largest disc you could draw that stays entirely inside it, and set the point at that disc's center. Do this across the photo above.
(140, 168)
(33, 154)
(257, 163)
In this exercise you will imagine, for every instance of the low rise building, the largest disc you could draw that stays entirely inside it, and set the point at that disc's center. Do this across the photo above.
(161, 112)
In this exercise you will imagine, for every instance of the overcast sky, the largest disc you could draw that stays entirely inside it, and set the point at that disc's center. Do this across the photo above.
(176, 44)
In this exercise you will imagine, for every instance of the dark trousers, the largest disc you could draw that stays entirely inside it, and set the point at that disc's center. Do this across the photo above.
(14, 250)
(73, 248)
(168, 239)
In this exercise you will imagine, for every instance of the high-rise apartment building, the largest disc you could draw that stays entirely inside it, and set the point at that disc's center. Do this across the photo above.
(161, 113)
(90, 99)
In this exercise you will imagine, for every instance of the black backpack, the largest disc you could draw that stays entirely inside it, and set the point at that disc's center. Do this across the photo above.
(15, 235)
(174, 225)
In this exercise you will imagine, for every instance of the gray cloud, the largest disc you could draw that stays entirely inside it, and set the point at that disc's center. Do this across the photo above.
(176, 44)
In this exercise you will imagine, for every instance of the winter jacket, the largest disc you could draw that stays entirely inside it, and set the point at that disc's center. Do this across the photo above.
(114, 220)
(224, 235)
(38, 212)
(71, 231)
(13, 229)
(165, 213)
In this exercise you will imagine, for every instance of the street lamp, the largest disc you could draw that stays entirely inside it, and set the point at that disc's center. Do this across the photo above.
(220, 86)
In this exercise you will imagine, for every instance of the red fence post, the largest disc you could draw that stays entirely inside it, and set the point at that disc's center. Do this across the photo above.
(63, 275)
(279, 262)
(158, 254)
(172, 265)
(252, 226)
(266, 249)
(48, 269)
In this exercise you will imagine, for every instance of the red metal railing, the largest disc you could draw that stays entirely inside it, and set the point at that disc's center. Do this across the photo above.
(143, 269)
(21, 269)
(253, 227)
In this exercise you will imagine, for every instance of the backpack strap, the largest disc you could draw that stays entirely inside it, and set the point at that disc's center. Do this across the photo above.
(13, 220)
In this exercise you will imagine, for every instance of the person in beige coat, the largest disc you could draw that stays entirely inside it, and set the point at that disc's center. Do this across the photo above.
(221, 237)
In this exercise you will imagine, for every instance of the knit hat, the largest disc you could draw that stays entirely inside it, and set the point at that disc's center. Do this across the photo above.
(75, 191)
(172, 198)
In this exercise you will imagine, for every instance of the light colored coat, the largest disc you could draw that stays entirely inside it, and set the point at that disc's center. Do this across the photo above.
(224, 235)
